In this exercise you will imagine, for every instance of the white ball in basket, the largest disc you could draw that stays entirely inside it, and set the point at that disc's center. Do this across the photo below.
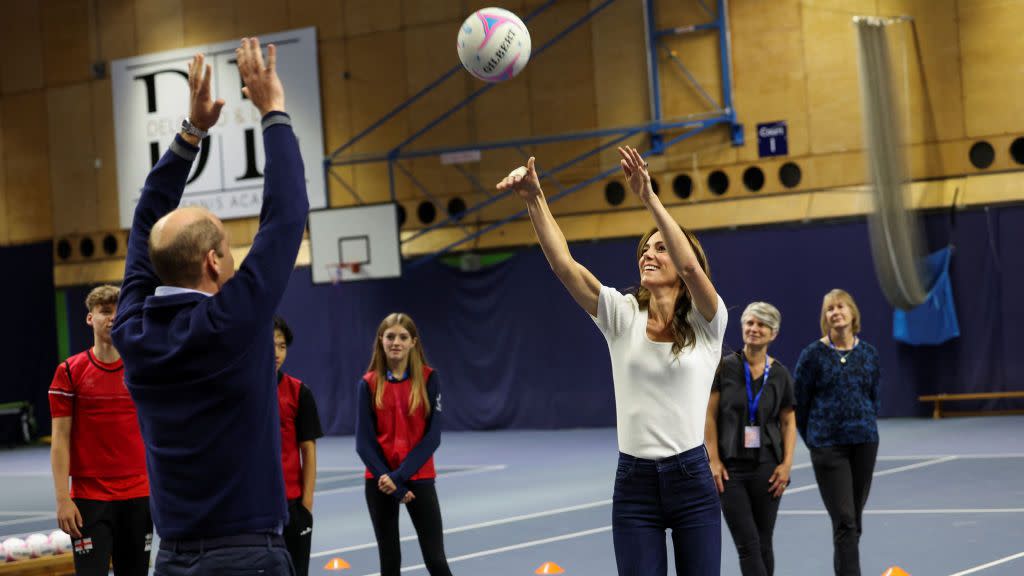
(39, 545)
(15, 549)
(60, 541)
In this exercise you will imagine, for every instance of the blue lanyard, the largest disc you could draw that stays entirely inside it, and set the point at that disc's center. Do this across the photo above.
(753, 401)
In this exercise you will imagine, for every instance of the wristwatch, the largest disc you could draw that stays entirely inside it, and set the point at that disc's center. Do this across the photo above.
(190, 128)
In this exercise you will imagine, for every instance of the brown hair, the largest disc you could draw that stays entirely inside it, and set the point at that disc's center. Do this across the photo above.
(683, 335)
(417, 360)
(839, 294)
(180, 261)
(105, 295)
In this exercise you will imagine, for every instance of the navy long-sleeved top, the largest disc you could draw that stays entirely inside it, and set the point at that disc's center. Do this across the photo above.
(391, 441)
(837, 403)
(200, 369)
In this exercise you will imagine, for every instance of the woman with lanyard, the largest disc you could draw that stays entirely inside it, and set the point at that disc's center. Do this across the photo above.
(665, 343)
(837, 394)
(398, 428)
(750, 435)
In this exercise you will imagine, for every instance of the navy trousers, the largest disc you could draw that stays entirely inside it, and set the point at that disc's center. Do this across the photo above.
(678, 494)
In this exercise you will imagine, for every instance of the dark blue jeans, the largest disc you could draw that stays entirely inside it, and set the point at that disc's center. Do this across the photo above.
(268, 560)
(675, 493)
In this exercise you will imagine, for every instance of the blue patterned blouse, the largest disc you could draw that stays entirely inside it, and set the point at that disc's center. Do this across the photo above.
(837, 402)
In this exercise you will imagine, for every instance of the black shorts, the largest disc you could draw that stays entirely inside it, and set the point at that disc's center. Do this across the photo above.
(119, 530)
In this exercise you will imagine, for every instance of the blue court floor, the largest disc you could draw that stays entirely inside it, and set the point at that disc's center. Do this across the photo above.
(947, 499)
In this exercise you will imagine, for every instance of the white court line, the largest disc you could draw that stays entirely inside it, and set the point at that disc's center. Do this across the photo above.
(442, 474)
(911, 511)
(468, 527)
(24, 513)
(585, 506)
(934, 461)
(983, 456)
(26, 520)
(529, 544)
(990, 564)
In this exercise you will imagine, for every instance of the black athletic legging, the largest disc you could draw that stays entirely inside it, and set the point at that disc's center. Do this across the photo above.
(425, 513)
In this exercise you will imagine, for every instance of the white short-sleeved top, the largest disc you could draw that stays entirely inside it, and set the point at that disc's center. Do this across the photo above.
(661, 398)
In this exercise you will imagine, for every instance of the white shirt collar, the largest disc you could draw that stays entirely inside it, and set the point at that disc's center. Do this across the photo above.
(171, 290)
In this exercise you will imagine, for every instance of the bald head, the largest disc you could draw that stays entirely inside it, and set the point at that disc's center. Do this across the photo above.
(180, 244)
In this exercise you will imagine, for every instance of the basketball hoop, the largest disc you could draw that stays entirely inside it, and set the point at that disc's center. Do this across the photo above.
(335, 269)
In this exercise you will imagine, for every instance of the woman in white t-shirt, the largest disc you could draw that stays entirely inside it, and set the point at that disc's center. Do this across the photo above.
(665, 344)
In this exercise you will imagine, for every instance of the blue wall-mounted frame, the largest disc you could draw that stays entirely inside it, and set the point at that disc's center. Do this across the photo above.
(724, 113)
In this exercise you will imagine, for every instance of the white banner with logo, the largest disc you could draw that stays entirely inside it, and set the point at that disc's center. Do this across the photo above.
(151, 98)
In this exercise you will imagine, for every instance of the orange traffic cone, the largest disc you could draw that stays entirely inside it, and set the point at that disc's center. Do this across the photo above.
(895, 571)
(336, 564)
(549, 568)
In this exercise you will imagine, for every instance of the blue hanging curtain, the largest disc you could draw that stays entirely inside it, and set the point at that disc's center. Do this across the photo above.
(934, 321)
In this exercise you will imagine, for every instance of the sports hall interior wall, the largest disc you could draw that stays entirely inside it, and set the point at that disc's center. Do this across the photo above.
(793, 60)
(514, 351)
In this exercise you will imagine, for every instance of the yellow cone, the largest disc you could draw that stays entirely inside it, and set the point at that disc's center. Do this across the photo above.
(549, 568)
(895, 571)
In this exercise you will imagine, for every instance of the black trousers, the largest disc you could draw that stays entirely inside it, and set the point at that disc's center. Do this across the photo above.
(844, 480)
(119, 530)
(425, 513)
(750, 512)
(298, 535)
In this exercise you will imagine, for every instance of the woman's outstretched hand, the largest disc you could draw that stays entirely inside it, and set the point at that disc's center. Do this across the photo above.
(523, 181)
(634, 167)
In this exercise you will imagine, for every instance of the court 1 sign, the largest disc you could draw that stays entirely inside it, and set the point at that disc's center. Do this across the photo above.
(772, 140)
(151, 99)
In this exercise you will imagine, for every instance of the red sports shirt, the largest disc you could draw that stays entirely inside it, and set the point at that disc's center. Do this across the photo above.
(108, 461)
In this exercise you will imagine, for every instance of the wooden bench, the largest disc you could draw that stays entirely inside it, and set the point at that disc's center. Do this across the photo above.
(60, 565)
(938, 399)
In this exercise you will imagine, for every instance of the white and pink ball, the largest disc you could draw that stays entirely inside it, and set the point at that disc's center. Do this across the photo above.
(60, 542)
(15, 549)
(494, 44)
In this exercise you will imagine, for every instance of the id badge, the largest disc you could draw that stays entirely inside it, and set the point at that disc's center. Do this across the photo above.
(751, 436)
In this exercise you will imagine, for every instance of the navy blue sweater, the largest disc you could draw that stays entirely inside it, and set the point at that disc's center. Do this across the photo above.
(837, 403)
(201, 369)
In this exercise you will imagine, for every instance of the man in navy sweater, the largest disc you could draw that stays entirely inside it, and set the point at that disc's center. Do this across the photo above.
(196, 339)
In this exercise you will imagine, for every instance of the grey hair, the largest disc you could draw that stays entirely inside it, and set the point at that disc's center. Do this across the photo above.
(765, 312)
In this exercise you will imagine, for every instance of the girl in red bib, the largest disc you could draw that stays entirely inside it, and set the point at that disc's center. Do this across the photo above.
(398, 428)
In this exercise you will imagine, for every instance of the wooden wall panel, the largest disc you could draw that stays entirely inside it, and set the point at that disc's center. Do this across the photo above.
(833, 89)
(159, 25)
(376, 86)
(929, 46)
(256, 17)
(21, 47)
(418, 13)
(326, 15)
(71, 159)
(208, 22)
(561, 85)
(68, 41)
(990, 33)
(336, 113)
(369, 16)
(429, 53)
(105, 151)
(770, 83)
(620, 72)
(5, 226)
(521, 8)
(27, 165)
(115, 23)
